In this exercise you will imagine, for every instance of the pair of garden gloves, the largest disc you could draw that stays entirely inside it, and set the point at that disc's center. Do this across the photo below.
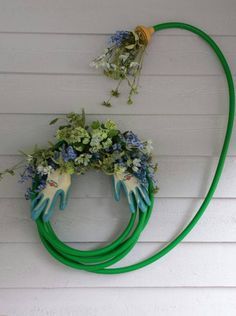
(58, 187)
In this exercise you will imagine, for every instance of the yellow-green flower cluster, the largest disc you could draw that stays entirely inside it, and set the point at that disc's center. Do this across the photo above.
(80, 147)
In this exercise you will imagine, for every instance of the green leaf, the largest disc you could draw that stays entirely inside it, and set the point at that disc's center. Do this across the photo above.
(130, 46)
(95, 124)
(112, 132)
(83, 117)
(23, 153)
(107, 104)
(136, 37)
(115, 93)
(10, 171)
(54, 121)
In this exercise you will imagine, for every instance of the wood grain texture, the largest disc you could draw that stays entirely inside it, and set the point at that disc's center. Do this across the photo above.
(87, 16)
(71, 54)
(170, 95)
(178, 177)
(103, 219)
(172, 135)
(133, 302)
(190, 264)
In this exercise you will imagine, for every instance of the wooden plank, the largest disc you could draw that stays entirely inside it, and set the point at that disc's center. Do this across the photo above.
(153, 301)
(107, 16)
(71, 54)
(101, 220)
(158, 94)
(196, 265)
(177, 177)
(171, 135)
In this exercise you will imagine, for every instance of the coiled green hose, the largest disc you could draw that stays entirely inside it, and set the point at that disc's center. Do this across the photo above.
(99, 260)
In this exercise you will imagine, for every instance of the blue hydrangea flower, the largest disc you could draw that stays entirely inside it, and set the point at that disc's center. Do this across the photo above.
(119, 37)
(68, 154)
(27, 174)
(132, 140)
(116, 147)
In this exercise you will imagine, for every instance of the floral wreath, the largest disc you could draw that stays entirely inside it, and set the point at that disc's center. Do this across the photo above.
(122, 155)
(78, 148)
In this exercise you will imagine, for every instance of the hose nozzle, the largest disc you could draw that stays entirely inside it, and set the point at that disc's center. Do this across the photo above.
(144, 33)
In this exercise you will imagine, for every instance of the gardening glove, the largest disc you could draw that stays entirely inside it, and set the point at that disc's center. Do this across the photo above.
(58, 185)
(136, 193)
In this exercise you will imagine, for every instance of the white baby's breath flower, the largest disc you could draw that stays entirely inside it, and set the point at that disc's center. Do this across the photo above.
(93, 64)
(148, 148)
(123, 57)
(123, 69)
(133, 64)
(136, 162)
(113, 66)
(135, 169)
(44, 170)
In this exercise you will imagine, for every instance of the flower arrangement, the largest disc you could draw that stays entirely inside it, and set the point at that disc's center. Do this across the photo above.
(80, 147)
(122, 60)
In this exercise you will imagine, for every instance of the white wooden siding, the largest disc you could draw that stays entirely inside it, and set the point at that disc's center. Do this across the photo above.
(45, 49)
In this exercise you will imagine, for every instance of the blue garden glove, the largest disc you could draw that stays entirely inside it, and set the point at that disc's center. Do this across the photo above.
(136, 193)
(58, 185)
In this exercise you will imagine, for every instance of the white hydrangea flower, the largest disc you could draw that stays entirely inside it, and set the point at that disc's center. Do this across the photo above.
(83, 159)
(107, 143)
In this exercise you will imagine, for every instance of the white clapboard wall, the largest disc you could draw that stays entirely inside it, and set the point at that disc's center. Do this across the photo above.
(45, 50)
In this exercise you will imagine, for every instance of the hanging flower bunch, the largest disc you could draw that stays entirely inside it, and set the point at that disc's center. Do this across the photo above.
(122, 60)
(80, 147)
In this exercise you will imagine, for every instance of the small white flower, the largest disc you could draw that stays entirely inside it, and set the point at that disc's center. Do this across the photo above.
(44, 170)
(113, 67)
(133, 64)
(136, 162)
(123, 57)
(93, 64)
(123, 69)
(148, 148)
(135, 169)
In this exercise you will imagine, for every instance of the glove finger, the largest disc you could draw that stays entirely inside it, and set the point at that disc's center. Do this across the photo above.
(39, 208)
(130, 197)
(144, 193)
(36, 201)
(117, 188)
(64, 196)
(49, 210)
(140, 202)
(132, 202)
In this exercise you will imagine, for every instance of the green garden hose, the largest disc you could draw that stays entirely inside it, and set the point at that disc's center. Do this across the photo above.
(99, 260)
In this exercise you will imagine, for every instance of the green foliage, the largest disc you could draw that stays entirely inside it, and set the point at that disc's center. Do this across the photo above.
(80, 147)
